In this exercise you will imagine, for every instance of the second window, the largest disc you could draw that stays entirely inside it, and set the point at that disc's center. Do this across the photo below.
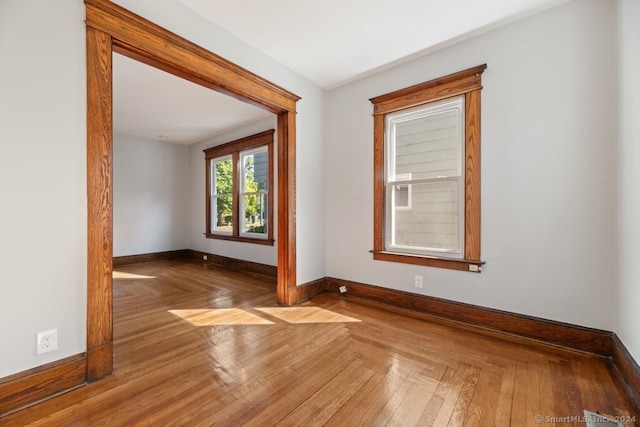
(239, 189)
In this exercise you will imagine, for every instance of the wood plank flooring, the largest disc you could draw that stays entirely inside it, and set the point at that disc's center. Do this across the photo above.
(200, 346)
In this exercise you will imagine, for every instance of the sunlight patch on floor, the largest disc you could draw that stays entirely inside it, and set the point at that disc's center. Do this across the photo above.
(123, 275)
(306, 315)
(237, 316)
(219, 316)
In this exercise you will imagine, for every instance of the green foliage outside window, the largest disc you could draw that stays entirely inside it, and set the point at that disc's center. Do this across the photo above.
(224, 186)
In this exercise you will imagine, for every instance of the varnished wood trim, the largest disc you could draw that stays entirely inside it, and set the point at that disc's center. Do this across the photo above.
(311, 289)
(251, 141)
(266, 242)
(287, 276)
(235, 264)
(112, 28)
(450, 263)
(207, 197)
(472, 186)
(378, 182)
(151, 257)
(161, 47)
(560, 334)
(433, 90)
(26, 388)
(99, 200)
(627, 368)
(101, 358)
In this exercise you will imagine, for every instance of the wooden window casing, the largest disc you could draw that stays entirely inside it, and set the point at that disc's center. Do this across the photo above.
(465, 83)
(111, 28)
(234, 149)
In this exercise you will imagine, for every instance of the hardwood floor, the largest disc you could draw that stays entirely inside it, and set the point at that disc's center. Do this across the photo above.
(197, 345)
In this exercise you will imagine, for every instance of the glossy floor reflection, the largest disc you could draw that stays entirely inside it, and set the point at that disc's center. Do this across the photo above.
(197, 345)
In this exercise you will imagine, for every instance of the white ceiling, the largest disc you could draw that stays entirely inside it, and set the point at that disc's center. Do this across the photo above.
(330, 42)
(150, 103)
(333, 41)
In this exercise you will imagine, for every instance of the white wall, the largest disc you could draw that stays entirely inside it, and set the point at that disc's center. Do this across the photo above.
(548, 169)
(197, 192)
(42, 180)
(150, 195)
(628, 303)
(310, 120)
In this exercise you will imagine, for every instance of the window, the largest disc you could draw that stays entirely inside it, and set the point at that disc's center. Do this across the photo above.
(239, 185)
(427, 173)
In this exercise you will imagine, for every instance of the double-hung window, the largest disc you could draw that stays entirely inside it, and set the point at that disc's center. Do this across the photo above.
(239, 183)
(424, 185)
(427, 173)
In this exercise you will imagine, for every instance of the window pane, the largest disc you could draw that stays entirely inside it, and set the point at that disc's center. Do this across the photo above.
(431, 222)
(222, 216)
(428, 146)
(255, 213)
(256, 171)
(223, 177)
(401, 195)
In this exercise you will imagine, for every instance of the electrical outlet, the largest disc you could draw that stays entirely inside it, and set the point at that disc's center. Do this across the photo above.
(47, 341)
(343, 289)
(204, 257)
(418, 281)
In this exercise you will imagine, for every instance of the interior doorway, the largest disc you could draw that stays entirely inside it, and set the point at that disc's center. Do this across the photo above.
(111, 28)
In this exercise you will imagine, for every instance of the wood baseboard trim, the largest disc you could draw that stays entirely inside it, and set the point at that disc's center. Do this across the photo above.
(219, 260)
(100, 362)
(309, 290)
(560, 334)
(234, 263)
(627, 369)
(151, 257)
(33, 385)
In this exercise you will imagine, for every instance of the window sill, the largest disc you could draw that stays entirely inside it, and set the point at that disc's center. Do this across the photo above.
(266, 242)
(430, 261)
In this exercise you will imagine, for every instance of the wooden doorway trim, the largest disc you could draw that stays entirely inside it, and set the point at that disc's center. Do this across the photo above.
(112, 28)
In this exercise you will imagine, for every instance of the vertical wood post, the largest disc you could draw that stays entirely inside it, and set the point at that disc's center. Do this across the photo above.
(286, 289)
(99, 205)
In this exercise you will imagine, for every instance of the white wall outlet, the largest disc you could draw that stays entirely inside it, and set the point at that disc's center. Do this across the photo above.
(343, 289)
(417, 282)
(204, 257)
(47, 341)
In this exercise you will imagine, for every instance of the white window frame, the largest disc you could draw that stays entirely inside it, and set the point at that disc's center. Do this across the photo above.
(391, 179)
(243, 193)
(401, 178)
